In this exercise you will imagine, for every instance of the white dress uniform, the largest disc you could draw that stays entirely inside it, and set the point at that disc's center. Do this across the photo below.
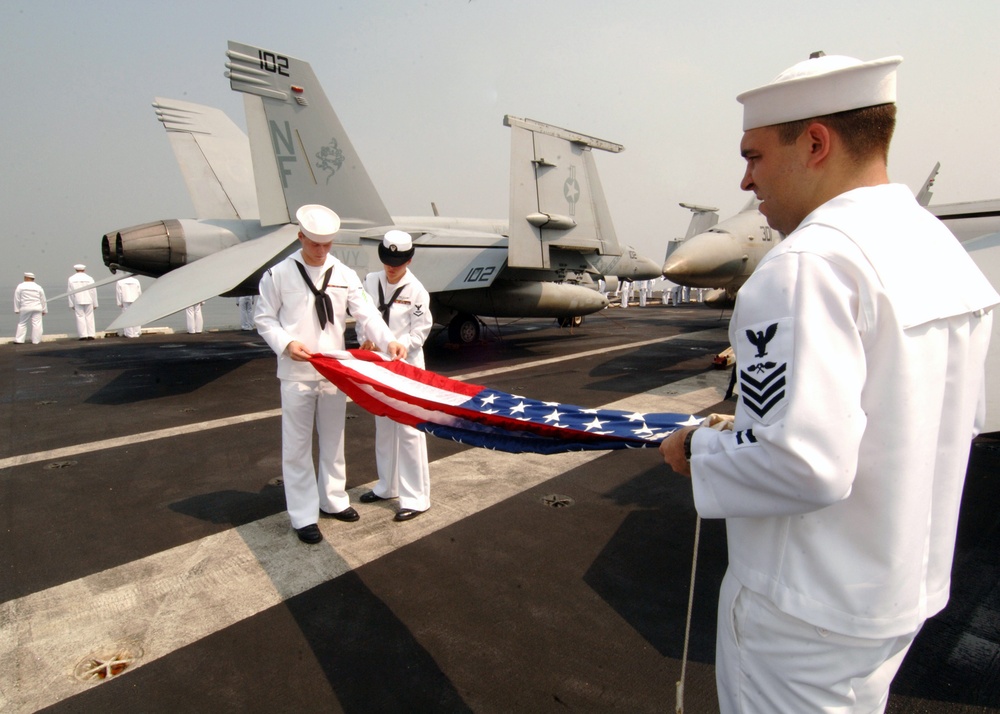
(859, 394)
(246, 304)
(82, 303)
(400, 450)
(30, 304)
(127, 291)
(286, 312)
(626, 286)
(645, 289)
(193, 318)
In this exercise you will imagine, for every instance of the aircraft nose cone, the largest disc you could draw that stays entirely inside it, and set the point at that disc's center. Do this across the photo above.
(707, 260)
(647, 269)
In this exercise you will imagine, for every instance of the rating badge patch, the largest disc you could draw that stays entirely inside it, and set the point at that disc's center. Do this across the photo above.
(765, 352)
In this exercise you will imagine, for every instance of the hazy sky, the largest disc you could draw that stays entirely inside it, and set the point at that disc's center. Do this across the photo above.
(422, 88)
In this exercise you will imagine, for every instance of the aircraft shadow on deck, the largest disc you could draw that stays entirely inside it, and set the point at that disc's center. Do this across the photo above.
(165, 369)
(643, 573)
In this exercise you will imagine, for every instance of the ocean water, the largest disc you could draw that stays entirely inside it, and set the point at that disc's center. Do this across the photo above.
(218, 313)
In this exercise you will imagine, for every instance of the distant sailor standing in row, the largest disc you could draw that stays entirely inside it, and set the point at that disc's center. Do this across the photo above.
(127, 291)
(301, 311)
(194, 319)
(400, 450)
(82, 303)
(246, 304)
(29, 303)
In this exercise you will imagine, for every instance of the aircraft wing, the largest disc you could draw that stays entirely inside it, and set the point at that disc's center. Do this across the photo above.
(205, 278)
(95, 284)
(214, 158)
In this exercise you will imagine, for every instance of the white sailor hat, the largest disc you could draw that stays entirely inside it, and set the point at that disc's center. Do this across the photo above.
(318, 223)
(819, 86)
(79, 266)
(29, 275)
(396, 248)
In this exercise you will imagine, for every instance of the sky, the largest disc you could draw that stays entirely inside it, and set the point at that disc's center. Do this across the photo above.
(422, 88)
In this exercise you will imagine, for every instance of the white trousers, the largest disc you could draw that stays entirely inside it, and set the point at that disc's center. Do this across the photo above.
(305, 405)
(84, 320)
(129, 331)
(34, 317)
(768, 661)
(246, 305)
(195, 322)
(401, 458)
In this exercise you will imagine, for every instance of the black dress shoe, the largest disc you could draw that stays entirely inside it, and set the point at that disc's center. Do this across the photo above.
(348, 514)
(405, 514)
(309, 534)
(371, 497)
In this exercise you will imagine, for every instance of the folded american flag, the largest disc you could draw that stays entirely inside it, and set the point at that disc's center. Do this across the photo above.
(479, 416)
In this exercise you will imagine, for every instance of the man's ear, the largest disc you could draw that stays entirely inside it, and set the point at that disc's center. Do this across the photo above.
(816, 140)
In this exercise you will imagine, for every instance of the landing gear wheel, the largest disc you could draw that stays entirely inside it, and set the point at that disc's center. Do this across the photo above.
(463, 329)
(574, 321)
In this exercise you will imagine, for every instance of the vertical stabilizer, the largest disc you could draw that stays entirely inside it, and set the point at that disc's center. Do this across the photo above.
(702, 218)
(556, 198)
(925, 193)
(301, 153)
(214, 158)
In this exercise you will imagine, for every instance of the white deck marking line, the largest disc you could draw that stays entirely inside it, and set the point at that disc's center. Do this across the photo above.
(70, 451)
(78, 449)
(171, 599)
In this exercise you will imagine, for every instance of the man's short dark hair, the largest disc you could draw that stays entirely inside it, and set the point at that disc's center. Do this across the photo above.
(866, 132)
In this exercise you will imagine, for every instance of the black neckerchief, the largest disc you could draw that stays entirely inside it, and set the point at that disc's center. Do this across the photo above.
(324, 305)
(384, 306)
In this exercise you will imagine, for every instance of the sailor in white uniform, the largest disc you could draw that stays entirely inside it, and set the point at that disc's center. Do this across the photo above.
(626, 292)
(30, 305)
(127, 291)
(246, 304)
(644, 289)
(860, 392)
(400, 450)
(193, 318)
(301, 311)
(82, 303)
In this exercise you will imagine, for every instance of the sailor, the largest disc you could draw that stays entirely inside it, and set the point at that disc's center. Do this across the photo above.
(400, 450)
(193, 318)
(626, 288)
(246, 304)
(29, 303)
(127, 291)
(301, 311)
(860, 392)
(643, 291)
(82, 303)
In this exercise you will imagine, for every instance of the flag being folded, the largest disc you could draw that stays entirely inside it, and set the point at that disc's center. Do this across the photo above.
(479, 416)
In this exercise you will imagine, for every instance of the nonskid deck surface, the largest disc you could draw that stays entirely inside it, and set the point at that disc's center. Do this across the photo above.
(148, 564)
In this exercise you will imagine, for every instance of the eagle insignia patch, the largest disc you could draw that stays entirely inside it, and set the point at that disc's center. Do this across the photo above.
(764, 360)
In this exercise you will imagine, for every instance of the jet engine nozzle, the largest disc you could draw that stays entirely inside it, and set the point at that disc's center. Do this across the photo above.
(148, 249)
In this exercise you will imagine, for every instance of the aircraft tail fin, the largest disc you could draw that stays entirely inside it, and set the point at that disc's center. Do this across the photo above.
(924, 195)
(214, 158)
(556, 198)
(702, 218)
(301, 153)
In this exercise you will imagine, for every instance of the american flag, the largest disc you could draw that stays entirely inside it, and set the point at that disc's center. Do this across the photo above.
(479, 416)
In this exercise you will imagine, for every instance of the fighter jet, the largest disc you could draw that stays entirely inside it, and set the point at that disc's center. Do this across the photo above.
(722, 254)
(542, 262)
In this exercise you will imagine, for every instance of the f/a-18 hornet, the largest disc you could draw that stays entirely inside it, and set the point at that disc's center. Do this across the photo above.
(542, 262)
